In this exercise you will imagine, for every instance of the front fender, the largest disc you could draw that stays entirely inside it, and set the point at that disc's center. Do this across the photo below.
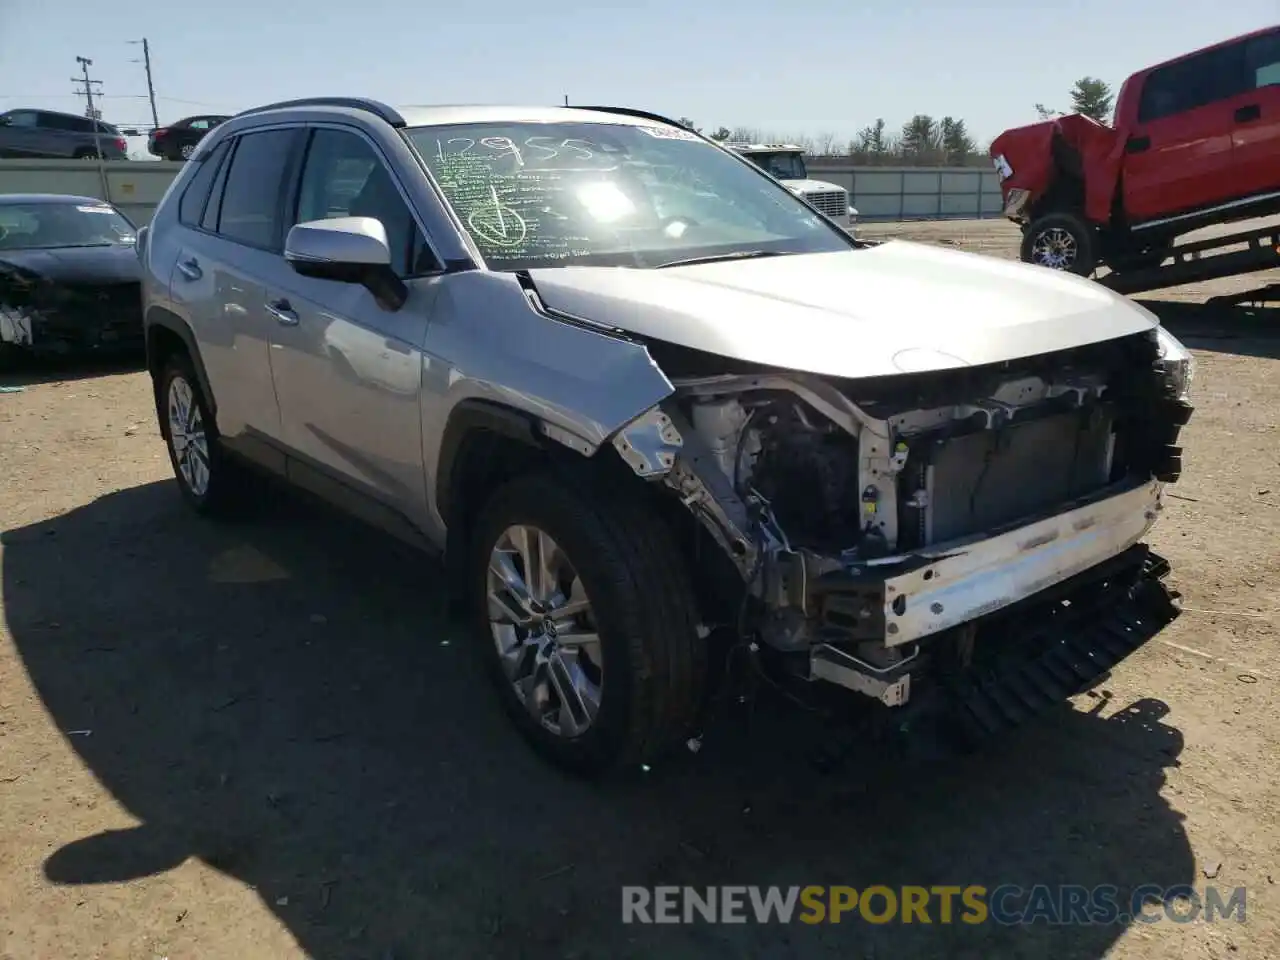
(492, 345)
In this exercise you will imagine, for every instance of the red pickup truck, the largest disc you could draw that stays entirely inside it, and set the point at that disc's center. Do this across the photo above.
(1195, 141)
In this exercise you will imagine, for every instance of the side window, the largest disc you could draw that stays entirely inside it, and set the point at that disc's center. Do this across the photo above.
(195, 198)
(1263, 57)
(54, 121)
(342, 176)
(1194, 82)
(250, 209)
(23, 118)
(214, 208)
(201, 124)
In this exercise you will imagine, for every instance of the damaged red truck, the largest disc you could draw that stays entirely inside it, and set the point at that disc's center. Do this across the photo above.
(1195, 142)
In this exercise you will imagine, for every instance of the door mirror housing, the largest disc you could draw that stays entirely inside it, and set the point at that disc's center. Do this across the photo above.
(347, 250)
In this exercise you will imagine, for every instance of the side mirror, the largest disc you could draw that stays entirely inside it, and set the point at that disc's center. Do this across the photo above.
(347, 250)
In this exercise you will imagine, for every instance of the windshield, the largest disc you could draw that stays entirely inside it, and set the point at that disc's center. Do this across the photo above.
(784, 166)
(601, 194)
(35, 226)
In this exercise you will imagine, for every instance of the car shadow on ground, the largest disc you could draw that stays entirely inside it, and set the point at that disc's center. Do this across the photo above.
(287, 700)
(26, 371)
(1249, 331)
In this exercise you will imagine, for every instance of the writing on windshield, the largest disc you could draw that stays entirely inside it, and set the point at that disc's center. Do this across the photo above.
(533, 194)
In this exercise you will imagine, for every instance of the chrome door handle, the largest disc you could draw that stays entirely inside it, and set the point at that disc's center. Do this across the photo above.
(283, 313)
(190, 268)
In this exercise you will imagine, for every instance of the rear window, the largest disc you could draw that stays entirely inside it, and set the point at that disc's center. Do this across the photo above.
(196, 196)
(1263, 55)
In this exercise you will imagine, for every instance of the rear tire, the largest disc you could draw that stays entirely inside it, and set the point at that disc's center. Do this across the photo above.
(1061, 241)
(646, 668)
(209, 480)
(85, 153)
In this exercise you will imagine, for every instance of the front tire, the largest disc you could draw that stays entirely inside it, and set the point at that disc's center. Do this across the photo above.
(583, 611)
(206, 478)
(1060, 241)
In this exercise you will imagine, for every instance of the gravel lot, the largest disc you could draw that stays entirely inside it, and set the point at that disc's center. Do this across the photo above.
(266, 740)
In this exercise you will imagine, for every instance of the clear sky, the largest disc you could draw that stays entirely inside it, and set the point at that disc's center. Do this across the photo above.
(786, 68)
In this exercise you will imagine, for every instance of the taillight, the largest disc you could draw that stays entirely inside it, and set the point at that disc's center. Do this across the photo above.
(122, 145)
(162, 132)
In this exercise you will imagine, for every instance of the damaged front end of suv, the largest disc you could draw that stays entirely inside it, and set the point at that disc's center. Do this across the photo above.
(967, 537)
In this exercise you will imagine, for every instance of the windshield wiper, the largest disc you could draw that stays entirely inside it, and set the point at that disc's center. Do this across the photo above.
(718, 257)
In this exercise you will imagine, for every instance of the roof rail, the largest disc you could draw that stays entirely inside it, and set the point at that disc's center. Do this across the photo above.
(642, 114)
(377, 108)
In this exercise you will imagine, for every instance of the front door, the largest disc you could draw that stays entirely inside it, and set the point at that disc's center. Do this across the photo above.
(348, 372)
(1178, 155)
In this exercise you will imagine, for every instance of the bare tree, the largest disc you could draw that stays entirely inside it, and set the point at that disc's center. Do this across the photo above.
(824, 145)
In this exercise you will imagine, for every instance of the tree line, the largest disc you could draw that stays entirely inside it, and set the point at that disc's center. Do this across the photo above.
(923, 141)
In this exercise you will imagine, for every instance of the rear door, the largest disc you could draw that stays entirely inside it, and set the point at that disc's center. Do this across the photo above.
(65, 135)
(1178, 154)
(221, 274)
(1256, 113)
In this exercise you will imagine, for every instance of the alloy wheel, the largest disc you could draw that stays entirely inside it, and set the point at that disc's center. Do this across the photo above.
(187, 436)
(544, 630)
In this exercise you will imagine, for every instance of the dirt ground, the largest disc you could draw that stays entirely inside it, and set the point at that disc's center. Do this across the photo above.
(266, 739)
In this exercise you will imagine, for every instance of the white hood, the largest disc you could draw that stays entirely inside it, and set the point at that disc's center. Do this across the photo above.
(812, 186)
(898, 307)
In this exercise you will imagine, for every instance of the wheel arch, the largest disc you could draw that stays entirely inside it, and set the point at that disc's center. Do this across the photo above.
(486, 443)
(167, 333)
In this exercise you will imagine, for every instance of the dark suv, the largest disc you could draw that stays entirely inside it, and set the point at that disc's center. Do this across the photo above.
(58, 136)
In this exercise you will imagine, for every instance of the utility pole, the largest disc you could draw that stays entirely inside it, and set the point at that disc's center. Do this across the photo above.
(90, 111)
(86, 90)
(566, 99)
(151, 88)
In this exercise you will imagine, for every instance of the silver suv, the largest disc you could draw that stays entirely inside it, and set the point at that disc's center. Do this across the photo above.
(656, 412)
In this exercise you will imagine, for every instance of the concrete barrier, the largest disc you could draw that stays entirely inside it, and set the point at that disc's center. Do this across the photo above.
(134, 186)
(879, 193)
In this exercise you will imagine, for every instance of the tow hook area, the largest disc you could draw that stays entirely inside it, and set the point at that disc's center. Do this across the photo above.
(890, 685)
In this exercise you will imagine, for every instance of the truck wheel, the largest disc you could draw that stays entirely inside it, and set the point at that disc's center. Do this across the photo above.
(1060, 241)
(585, 619)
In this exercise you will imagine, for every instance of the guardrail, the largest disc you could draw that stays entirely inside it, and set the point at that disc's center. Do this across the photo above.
(878, 193)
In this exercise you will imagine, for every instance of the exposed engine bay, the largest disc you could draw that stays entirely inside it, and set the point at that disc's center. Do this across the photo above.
(866, 517)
